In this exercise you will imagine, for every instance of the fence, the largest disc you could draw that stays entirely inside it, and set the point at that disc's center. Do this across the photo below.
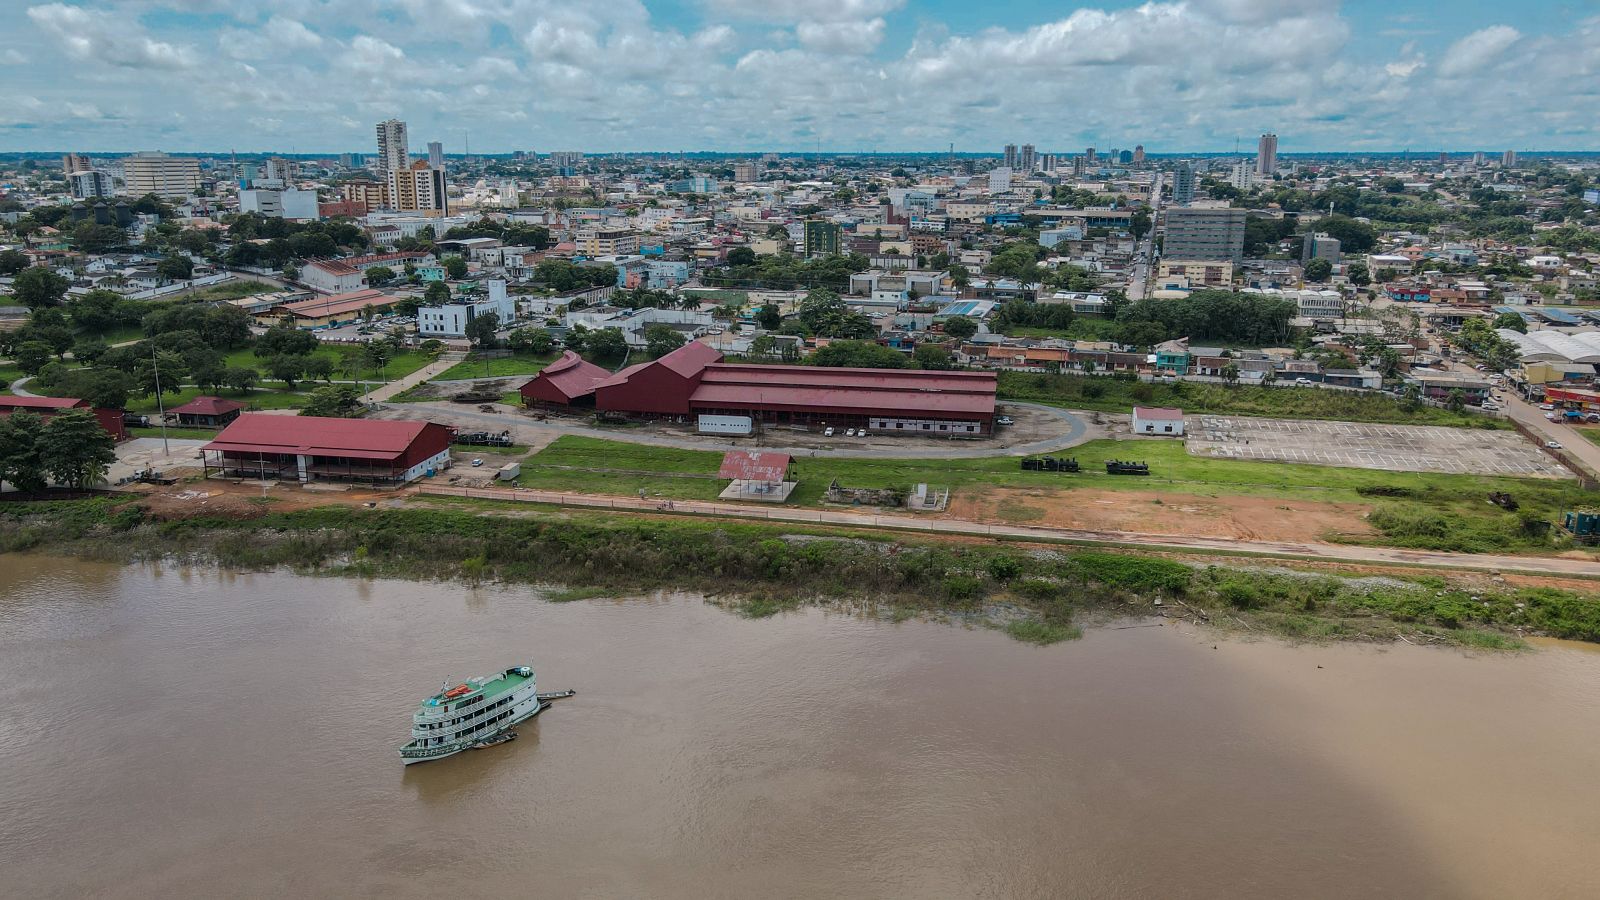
(1586, 475)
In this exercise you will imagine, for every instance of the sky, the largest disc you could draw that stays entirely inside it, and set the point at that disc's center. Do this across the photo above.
(314, 76)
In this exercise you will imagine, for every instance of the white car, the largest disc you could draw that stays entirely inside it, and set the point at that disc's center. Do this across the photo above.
(827, 432)
(1547, 406)
(1303, 381)
(849, 432)
(1004, 420)
(1552, 445)
(861, 433)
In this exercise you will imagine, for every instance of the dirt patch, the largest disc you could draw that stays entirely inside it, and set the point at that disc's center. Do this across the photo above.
(1151, 512)
(246, 501)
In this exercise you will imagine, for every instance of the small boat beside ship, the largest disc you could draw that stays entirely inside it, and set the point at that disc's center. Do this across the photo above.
(478, 712)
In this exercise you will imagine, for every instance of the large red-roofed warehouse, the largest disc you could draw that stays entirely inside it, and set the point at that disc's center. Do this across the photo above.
(693, 381)
(306, 448)
(569, 381)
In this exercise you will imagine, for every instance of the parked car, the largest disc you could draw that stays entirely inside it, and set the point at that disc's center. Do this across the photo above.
(1004, 420)
(862, 433)
(1547, 406)
(827, 432)
(849, 432)
(1489, 405)
(1305, 382)
(1552, 445)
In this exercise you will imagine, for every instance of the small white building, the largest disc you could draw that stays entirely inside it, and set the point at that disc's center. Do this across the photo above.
(450, 319)
(1158, 420)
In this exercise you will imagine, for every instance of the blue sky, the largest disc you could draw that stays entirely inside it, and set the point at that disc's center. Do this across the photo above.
(753, 75)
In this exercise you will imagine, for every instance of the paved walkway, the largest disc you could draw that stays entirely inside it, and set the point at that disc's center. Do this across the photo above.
(438, 366)
(1073, 432)
(1532, 565)
(18, 389)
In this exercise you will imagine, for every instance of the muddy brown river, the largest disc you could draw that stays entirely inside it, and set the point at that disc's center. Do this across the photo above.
(175, 732)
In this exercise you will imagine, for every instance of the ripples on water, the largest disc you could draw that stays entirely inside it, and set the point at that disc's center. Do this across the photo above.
(188, 733)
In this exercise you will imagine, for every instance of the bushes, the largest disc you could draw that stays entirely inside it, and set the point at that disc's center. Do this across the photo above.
(1133, 573)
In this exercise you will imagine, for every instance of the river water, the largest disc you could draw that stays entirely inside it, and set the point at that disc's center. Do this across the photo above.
(177, 732)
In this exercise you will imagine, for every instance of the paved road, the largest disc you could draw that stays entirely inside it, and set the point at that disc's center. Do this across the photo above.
(18, 389)
(1575, 444)
(1074, 432)
(1542, 565)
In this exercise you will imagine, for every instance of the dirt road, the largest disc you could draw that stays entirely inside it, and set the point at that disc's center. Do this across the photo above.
(1535, 565)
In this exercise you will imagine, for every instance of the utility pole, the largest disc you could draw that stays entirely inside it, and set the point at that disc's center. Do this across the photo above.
(161, 409)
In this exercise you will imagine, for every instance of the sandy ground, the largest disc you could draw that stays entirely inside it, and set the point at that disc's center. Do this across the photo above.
(1164, 512)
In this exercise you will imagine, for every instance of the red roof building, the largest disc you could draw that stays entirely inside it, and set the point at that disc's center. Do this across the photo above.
(303, 448)
(208, 412)
(750, 465)
(567, 382)
(46, 407)
(693, 380)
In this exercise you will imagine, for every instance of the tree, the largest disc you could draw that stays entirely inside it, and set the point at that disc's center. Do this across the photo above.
(659, 339)
(763, 347)
(378, 275)
(91, 237)
(319, 367)
(1456, 400)
(37, 287)
(481, 330)
(1318, 270)
(95, 312)
(31, 356)
(1358, 274)
(455, 267)
(281, 340)
(240, 378)
(380, 351)
(103, 388)
(436, 293)
(768, 317)
(1230, 373)
(536, 341)
(961, 327)
(859, 354)
(333, 400)
(741, 256)
(932, 356)
(168, 368)
(207, 369)
(77, 452)
(1353, 236)
(1511, 320)
(12, 261)
(824, 314)
(607, 343)
(21, 452)
(175, 268)
(287, 369)
(1139, 223)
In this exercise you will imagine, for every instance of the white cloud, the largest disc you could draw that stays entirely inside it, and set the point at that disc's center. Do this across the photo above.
(804, 10)
(1478, 50)
(841, 37)
(12, 57)
(109, 39)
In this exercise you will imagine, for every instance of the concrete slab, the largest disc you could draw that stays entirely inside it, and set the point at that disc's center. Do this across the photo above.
(759, 491)
(139, 454)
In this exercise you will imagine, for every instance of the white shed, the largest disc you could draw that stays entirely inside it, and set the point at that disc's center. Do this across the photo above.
(1157, 420)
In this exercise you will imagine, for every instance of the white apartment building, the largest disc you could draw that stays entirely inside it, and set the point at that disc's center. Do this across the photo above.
(153, 172)
(450, 319)
(607, 242)
(394, 149)
(285, 204)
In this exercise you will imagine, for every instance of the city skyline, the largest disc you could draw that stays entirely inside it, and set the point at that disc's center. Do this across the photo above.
(837, 76)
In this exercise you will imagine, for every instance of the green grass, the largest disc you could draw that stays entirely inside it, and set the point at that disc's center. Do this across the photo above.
(474, 366)
(1453, 512)
(1081, 329)
(1592, 435)
(404, 363)
(229, 290)
(1107, 394)
(257, 399)
(154, 431)
(1042, 633)
(9, 374)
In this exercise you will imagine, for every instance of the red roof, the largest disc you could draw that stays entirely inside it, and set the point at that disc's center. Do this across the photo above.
(208, 406)
(318, 436)
(746, 465)
(572, 376)
(888, 391)
(1158, 413)
(42, 403)
(355, 301)
(689, 359)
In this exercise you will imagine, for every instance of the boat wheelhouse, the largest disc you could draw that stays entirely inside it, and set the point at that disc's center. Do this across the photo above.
(471, 714)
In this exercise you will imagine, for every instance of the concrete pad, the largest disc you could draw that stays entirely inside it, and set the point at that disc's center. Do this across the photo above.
(760, 491)
(139, 454)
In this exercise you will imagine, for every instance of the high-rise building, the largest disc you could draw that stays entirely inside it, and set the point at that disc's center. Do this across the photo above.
(1138, 155)
(1195, 233)
(1026, 159)
(1125, 157)
(153, 172)
(1088, 156)
(1319, 246)
(1047, 162)
(394, 152)
(823, 238)
(1080, 165)
(419, 188)
(1267, 155)
(1478, 158)
(74, 162)
(436, 154)
(87, 184)
(1243, 175)
(746, 171)
(999, 180)
(565, 159)
(1508, 159)
(276, 168)
(1183, 185)
(1011, 156)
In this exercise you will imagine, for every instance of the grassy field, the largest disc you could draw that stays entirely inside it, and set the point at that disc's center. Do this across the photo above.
(258, 399)
(202, 434)
(518, 364)
(1081, 329)
(229, 290)
(404, 363)
(8, 374)
(1099, 392)
(1592, 435)
(1422, 510)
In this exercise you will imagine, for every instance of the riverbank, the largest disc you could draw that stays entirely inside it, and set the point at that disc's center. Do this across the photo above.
(1037, 594)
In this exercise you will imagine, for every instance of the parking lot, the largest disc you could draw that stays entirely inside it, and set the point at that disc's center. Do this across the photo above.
(1397, 448)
